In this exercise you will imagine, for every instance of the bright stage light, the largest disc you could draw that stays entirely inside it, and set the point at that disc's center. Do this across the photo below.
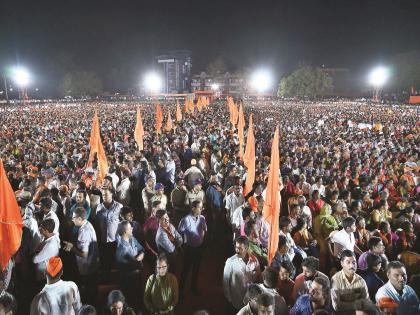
(261, 80)
(378, 77)
(152, 82)
(215, 86)
(21, 77)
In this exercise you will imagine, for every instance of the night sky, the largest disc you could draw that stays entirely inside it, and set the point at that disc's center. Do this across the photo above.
(122, 37)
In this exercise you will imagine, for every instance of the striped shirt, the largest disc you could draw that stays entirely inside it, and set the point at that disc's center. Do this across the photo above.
(344, 293)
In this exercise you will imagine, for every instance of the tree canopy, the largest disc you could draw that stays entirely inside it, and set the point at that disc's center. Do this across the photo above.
(306, 81)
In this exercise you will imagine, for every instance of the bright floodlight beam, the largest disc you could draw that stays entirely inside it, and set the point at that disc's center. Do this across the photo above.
(21, 77)
(215, 86)
(378, 77)
(152, 82)
(261, 80)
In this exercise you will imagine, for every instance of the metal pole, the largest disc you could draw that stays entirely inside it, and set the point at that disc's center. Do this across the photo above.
(5, 87)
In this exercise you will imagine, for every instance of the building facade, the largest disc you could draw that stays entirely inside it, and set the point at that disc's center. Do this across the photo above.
(226, 84)
(176, 67)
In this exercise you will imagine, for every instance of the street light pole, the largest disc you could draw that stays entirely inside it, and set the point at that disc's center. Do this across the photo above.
(5, 89)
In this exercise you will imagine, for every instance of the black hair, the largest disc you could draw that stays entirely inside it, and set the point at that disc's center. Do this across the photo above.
(348, 222)
(242, 240)
(310, 262)
(346, 253)
(115, 296)
(265, 299)
(270, 277)
(48, 225)
(373, 260)
(284, 221)
(373, 241)
(8, 302)
(80, 212)
(395, 265)
(46, 203)
(126, 210)
(246, 212)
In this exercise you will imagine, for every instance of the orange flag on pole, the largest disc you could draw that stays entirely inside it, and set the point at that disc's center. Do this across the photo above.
(178, 112)
(159, 118)
(186, 105)
(272, 198)
(249, 158)
(97, 148)
(11, 224)
(241, 125)
(139, 131)
(169, 124)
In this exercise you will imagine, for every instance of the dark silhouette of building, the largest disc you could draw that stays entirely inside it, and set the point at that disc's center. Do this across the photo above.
(177, 71)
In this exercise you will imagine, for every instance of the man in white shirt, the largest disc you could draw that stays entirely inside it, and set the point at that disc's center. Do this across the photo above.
(57, 297)
(86, 253)
(344, 239)
(123, 189)
(240, 270)
(233, 201)
(46, 204)
(49, 247)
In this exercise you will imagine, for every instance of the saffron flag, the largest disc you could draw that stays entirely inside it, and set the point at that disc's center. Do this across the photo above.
(10, 220)
(159, 119)
(186, 106)
(169, 124)
(97, 148)
(249, 158)
(139, 131)
(178, 112)
(241, 125)
(272, 198)
(199, 104)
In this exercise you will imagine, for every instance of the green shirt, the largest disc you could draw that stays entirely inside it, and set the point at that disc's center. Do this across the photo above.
(161, 294)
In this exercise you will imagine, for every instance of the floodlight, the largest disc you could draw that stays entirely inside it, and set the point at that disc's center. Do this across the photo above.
(378, 76)
(152, 82)
(261, 80)
(21, 77)
(215, 86)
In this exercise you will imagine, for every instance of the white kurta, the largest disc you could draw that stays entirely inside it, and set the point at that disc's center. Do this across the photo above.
(58, 298)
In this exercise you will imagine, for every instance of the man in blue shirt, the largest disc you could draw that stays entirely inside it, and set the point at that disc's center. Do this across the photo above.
(129, 257)
(193, 228)
(318, 298)
(398, 290)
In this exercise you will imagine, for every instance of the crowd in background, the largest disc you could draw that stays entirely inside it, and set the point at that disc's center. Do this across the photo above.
(348, 225)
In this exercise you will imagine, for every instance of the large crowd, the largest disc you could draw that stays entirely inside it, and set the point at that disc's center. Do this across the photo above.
(348, 225)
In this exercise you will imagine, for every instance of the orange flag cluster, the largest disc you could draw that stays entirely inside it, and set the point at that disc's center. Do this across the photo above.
(272, 198)
(11, 224)
(139, 131)
(96, 147)
(159, 119)
(249, 157)
(233, 111)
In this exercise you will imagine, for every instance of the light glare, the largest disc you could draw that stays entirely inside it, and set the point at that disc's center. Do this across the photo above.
(152, 82)
(21, 77)
(261, 80)
(378, 76)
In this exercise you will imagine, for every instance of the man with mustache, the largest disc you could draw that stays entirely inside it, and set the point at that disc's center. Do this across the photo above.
(398, 290)
(318, 298)
(347, 287)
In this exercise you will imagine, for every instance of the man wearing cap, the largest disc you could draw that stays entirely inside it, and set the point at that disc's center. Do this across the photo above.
(58, 297)
(192, 174)
(86, 252)
(49, 247)
(108, 218)
(398, 290)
